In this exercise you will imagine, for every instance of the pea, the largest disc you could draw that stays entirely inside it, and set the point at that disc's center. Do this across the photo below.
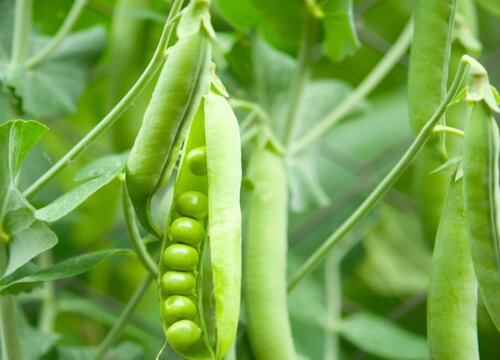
(176, 282)
(197, 161)
(181, 257)
(188, 231)
(193, 204)
(183, 334)
(177, 308)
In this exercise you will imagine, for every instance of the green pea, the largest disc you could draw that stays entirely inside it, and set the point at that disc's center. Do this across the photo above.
(176, 282)
(188, 231)
(183, 334)
(193, 204)
(177, 308)
(181, 257)
(197, 161)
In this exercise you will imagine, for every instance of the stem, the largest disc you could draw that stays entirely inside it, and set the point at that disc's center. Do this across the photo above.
(56, 40)
(117, 328)
(49, 310)
(448, 130)
(333, 285)
(156, 61)
(135, 237)
(22, 29)
(367, 85)
(11, 348)
(384, 186)
(300, 80)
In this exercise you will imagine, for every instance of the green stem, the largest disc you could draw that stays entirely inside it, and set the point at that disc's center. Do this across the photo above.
(48, 311)
(156, 62)
(369, 84)
(22, 29)
(448, 130)
(302, 75)
(135, 237)
(333, 286)
(11, 348)
(384, 186)
(117, 328)
(56, 40)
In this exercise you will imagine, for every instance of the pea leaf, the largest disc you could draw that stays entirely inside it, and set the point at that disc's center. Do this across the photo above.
(53, 87)
(101, 166)
(30, 275)
(70, 200)
(125, 351)
(382, 338)
(242, 14)
(25, 236)
(341, 39)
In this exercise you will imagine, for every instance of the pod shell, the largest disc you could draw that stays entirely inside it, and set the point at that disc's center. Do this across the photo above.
(182, 83)
(452, 295)
(481, 192)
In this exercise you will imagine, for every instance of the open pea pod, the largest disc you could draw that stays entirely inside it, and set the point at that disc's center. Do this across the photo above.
(200, 266)
(183, 81)
(481, 195)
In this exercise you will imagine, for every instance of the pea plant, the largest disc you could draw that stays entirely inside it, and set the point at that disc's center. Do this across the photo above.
(249, 179)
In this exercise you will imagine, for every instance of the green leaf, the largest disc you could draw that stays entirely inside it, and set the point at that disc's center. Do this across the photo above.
(68, 268)
(125, 351)
(53, 87)
(282, 22)
(70, 200)
(34, 343)
(341, 39)
(101, 166)
(25, 236)
(382, 338)
(242, 14)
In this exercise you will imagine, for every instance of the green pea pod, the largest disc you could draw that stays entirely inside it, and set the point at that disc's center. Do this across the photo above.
(452, 295)
(429, 57)
(430, 52)
(264, 251)
(480, 167)
(182, 83)
(200, 270)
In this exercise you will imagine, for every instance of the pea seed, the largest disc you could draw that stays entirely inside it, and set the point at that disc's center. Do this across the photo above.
(177, 308)
(197, 161)
(188, 231)
(183, 334)
(193, 204)
(181, 257)
(176, 282)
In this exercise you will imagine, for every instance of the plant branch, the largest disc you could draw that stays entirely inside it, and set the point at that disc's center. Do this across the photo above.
(135, 237)
(385, 185)
(55, 41)
(367, 85)
(117, 328)
(156, 62)
(22, 29)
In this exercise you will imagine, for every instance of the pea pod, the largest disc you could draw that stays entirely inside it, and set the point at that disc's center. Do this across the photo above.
(452, 295)
(265, 248)
(200, 271)
(429, 57)
(480, 167)
(182, 82)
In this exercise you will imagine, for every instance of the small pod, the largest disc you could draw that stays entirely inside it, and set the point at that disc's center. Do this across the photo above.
(203, 237)
(265, 251)
(452, 295)
(182, 82)
(481, 192)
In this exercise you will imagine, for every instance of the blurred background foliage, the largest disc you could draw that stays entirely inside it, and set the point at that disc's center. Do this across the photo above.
(382, 269)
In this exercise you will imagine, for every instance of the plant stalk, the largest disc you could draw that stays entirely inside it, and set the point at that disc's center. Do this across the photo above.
(22, 29)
